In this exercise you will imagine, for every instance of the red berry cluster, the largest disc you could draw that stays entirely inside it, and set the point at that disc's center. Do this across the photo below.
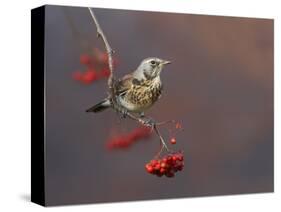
(90, 75)
(126, 140)
(167, 165)
(96, 67)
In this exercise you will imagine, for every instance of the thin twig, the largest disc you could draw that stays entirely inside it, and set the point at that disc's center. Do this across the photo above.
(109, 52)
(160, 137)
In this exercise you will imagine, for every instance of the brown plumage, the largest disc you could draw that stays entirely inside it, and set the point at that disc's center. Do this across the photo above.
(138, 95)
(138, 91)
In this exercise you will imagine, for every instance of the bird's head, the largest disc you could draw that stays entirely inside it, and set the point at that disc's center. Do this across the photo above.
(150, 68)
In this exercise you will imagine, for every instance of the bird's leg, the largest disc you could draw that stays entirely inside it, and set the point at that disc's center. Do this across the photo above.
(120, 109)
(142, 115)
(148, 122)
(124, 112)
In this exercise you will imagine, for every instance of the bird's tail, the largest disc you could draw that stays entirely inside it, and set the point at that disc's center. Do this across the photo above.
(104, 104)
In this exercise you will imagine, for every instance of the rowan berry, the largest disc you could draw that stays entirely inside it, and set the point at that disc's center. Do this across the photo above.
(167, 165)
(173, 141)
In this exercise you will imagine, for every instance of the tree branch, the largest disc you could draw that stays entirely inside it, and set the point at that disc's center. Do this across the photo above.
(111, 84)
(109, 52)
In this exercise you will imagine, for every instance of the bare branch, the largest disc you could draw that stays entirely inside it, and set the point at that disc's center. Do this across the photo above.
(109, 52)
(111, 84)
(154, 127)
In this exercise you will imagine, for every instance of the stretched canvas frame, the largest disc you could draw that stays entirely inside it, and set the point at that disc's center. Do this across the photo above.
(214, 119)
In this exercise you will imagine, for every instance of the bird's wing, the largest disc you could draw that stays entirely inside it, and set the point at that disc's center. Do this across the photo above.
(124, 84)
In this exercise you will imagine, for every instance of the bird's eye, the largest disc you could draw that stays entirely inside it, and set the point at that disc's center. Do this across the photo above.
(152, 62)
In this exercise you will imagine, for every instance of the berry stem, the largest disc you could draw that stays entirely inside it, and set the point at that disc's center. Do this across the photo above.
(161, 138)
(165, 122)
(158, 154)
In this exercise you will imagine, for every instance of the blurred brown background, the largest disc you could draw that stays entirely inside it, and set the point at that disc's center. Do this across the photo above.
(220, 85)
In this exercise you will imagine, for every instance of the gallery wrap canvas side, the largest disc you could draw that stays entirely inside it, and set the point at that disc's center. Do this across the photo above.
(37, 106)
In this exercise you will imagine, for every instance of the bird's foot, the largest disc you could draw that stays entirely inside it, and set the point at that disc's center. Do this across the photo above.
(142, 115)
(149, 122)
(123, 112)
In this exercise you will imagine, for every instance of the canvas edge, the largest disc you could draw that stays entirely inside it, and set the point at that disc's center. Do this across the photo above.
(37, 106)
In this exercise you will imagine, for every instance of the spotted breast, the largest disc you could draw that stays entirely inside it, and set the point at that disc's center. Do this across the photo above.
(141, 95)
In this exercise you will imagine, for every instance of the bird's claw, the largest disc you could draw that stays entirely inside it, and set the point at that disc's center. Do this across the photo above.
(124, 112)
(149, 122)
(142, 115)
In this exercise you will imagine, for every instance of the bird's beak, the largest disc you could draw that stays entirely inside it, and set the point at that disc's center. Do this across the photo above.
(165, 62)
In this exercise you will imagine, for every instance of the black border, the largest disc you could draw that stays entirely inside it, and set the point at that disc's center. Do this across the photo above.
(37, 106)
